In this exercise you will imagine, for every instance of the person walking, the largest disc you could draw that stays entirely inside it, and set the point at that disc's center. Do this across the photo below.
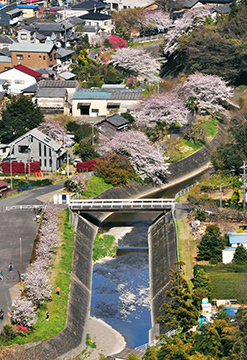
(1, 314)
(10, 267)
(58, 290)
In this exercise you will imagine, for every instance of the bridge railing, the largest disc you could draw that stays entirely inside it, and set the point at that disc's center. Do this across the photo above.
(121, 204)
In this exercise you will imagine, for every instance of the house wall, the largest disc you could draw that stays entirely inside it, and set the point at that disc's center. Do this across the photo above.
(39, 152)
(18, 80)
(5, 66)
(101, 105)
(27, 12)
(227, 256)
(51, 102)
(106, 24)
(125, 105)
(35, 59)
(25, 36)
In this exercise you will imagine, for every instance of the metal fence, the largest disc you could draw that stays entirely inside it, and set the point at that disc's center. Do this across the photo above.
(148, 38)
(184, 191)
(156, 342)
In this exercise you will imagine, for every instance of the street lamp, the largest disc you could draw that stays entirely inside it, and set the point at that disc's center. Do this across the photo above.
(11, 183)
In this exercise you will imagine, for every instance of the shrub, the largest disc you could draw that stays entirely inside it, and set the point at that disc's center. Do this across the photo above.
(86, 166)
(115, 169)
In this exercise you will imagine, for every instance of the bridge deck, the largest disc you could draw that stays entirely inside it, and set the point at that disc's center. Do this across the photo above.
(122, 204)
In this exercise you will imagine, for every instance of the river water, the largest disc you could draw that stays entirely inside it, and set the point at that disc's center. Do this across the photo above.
(120, 290)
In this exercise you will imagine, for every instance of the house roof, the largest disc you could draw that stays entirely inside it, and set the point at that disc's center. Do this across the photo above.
(58, 84)
(14, 11)
(62, 52)
(237, 238)
(3, 183)
(88, 5)
(53, 27)
(108, 94)
(30, 47)
(5, 59)
(44, 70)
(117, 120)
(66, 75)
(30, 89)
(5, 52)
(6, 39)
(25, 70)
(51, 93)
(41, 137)
(74, 20)
(95, 16)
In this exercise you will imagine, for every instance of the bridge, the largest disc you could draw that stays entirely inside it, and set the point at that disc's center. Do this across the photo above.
(122, 204)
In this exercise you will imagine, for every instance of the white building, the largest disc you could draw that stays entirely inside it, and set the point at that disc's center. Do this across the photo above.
(235, 239)
(19, 77)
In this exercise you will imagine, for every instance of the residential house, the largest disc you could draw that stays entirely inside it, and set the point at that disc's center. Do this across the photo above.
(47, 73)
(30, 55)
(54, 96)
(102, 102)
(98, 20)
(235, 239)
(64, 58)
(36, 146)
(178, 7)
(5, 63)
(3, 187)
(128, 4)
(6, 41)
(57, 32)
(81, 8)
(28, 10)
(52, 100)
(66, 75)
(111, 124)
(26, 35)
(4, 149)
(10, 15)
(30, 90)
(19, 77)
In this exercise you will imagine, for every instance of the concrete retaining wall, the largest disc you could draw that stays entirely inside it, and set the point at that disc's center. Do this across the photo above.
(162, 256)
(71, 341)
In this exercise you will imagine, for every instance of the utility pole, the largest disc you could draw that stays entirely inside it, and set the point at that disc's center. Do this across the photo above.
(92, 134)
(67, 164)
(244, 176)
(220, 196)
(11, 183)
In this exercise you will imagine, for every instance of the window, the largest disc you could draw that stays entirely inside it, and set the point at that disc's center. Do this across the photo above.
(105, 23)
(40, 161)
(29, 57)
(55, 56)
(4, 150)
(40, 57)
(19, 56)
(23, 36)
(44, 57)
(50, 162)
(95, 111)
(31, 138)
(19, 82)
(44, 150)
(49, 152)
(40, 151)
(45, 162)
(23, 149)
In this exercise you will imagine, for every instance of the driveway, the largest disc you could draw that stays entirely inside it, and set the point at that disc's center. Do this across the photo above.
(16, 225)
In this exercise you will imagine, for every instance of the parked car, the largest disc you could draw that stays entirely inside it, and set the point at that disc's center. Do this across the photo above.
(76, 161)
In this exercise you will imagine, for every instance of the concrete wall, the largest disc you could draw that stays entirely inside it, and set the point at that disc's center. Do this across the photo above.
(162, 256)
(71, 341)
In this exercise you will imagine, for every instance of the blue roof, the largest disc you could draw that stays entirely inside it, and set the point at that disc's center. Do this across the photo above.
(97, 95)
(27, 6)
(230, 248)
(237, 238)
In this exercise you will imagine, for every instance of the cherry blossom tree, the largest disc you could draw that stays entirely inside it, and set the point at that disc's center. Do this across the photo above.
(136, 61)
(54, 130)
(147, 159)
(184, 25)
(156, 19)
(24, 312)
(164, 107)
(210, 91)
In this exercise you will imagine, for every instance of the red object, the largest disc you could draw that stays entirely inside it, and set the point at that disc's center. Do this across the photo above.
(20, 167)
(25, 70)
(117, 42)
(86, 165)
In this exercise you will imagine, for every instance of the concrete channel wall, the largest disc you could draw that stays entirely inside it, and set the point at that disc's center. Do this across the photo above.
(71, 341)
(162, 258)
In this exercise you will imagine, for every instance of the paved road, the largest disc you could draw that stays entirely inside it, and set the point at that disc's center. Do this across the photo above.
(13, 226)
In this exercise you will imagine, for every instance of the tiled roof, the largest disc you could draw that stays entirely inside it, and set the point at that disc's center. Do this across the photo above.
(5, 59)
(51, 93)
(117, 120)
(110, 94)
(58, 84)
(95, 16)
(96, 95)
(88, 5)
(5, 52)
(26, 47)
(6, 39)
(30, 89)
(3, 183)
(74, 20)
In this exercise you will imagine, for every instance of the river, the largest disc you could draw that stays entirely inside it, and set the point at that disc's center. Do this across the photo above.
(120, 290)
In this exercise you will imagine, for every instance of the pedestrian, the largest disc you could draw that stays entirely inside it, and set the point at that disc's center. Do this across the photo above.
(10, 267)
(1, 314)
(47, 315)
(58, 290)
(1, 275)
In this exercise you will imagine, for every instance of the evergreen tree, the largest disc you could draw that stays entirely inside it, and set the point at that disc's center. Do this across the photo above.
(211, 245)
(180, 311)
(240, 256)
(20, 116)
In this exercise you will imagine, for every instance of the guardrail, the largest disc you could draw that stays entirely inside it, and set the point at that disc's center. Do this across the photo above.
(121, 204)
(22, 207)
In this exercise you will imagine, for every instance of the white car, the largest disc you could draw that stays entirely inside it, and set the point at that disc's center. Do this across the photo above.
(76, 161)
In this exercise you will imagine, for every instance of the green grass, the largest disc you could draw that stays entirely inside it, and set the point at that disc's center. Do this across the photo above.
(136, 44)
(95, 186)
(227, 284)
(211, 127)
(104, 246)
(175, 152)
(58, 306)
